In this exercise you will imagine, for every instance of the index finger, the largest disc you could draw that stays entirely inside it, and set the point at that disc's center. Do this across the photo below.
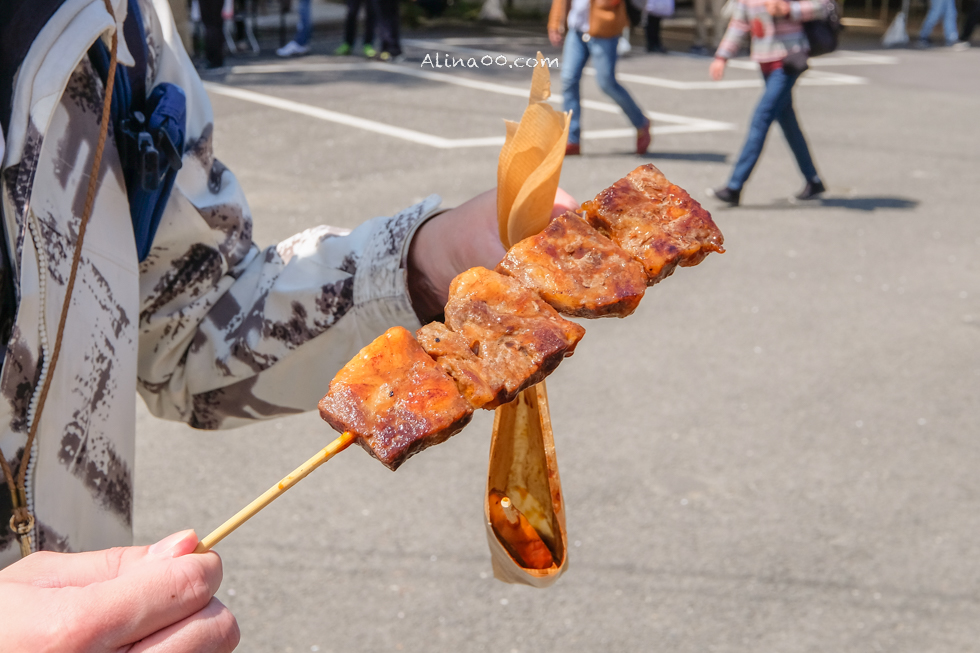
(53, 570)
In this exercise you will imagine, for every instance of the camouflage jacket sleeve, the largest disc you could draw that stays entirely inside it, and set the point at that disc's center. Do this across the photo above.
(229, 332)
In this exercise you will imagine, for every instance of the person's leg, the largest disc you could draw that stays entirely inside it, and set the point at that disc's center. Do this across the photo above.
(654, 44)
(932, 17)
(950, 32)
(573, 58)
(214, 38)
(718, 22)
(700, 29)
(389, 14)
(384, 24)
(370, 17)
(972, 20)
(766, 111)
(603, 52)
(350, 22)
(794, 135)
(304, 28)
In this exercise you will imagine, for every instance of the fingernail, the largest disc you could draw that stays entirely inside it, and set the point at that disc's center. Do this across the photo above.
(174, 545)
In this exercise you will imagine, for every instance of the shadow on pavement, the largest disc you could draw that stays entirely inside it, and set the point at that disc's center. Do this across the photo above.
(710, 157)
(851, 203)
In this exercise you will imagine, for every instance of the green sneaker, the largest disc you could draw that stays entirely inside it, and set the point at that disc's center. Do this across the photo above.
(369, 51)
(343, 50)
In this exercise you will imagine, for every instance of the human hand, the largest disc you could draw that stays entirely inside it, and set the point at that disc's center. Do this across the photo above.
(777, 8)
(717, 68)
(555, 37)
(139, 599)
(455, 241)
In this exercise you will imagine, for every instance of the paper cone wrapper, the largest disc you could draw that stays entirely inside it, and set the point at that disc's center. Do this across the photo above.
(530, 163)
(524, 467)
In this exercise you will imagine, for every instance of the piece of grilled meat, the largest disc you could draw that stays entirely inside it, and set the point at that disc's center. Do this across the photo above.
(395, 399)
(452, 353)
(655, 221)
(517, 337)
(577, 270)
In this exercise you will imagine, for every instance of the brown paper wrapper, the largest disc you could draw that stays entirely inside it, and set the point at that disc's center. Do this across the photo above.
(530, 163)
(523, 466)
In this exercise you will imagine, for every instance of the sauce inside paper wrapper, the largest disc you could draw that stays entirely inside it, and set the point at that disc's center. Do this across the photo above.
(523, 507)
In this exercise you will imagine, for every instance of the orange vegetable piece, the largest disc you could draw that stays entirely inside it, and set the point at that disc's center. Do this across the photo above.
(516, 531)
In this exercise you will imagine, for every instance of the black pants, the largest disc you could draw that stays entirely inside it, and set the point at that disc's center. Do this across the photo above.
(972, 20)
(350, 24)
(389, 18)
(653, 34)
(214, 38)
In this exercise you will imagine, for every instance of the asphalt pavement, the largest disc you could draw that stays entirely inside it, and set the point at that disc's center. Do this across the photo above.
(778, 452)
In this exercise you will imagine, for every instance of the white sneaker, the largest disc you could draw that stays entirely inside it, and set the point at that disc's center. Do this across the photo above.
(292, 49)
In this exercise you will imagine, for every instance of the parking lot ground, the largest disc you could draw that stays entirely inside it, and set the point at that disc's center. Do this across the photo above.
(777, 452)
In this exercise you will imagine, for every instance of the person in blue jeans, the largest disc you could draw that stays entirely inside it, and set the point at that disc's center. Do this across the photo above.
(304, 30)
(944, 10)
(780, 47)
(590, 30)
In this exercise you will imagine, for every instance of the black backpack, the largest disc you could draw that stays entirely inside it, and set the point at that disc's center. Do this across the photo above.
(823, 33)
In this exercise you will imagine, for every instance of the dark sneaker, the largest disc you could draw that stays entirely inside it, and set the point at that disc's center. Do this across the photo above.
(643, 138)
(921, 44)
(572, 149)
(811, 190)
(726, 195)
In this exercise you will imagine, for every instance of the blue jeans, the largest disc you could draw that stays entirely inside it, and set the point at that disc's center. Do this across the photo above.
(603, 52)
(945, 9)
(776, 105)
(304, 28)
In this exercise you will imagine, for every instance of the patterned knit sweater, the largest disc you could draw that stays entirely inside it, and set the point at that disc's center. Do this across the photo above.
(772, 38)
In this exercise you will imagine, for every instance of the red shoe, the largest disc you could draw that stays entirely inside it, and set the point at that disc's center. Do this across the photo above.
(643, 138)
(573, 149)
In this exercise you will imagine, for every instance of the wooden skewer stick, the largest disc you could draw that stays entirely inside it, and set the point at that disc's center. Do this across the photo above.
(270, 495)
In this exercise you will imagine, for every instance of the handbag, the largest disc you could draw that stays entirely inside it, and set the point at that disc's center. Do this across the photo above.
(662, 8)
(795, 63)
(823, 33)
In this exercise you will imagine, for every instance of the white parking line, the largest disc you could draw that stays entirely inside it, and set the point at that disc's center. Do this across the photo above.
(679, 124)
(809, 78)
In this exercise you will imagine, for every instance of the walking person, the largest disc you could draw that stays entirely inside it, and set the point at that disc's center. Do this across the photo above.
(350, 28)
(304, 30)
(780, 48)
(944, 10)
(591, 28)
